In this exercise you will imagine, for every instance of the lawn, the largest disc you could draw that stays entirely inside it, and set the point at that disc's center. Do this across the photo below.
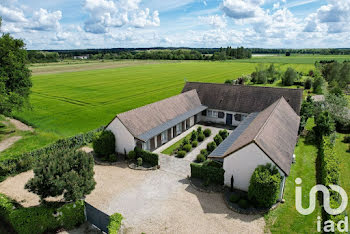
(286, 219)
(73, 102)
(171, 148)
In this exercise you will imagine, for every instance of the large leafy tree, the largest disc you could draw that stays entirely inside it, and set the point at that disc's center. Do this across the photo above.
(15, 80)
(66, 173)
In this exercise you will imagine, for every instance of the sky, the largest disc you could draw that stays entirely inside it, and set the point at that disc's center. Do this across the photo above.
(81, 24)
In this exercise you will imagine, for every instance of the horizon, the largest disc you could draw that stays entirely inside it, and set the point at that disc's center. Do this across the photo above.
(103, 24)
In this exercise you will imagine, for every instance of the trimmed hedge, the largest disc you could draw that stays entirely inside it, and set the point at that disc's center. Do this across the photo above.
(200, 137)
(147, 156)
(104, 144)
(207, 132)
(115, 221)
(187, 147)
(180, 154)
(41, 219)
(200, 158)
(213, 174)
(24, 162)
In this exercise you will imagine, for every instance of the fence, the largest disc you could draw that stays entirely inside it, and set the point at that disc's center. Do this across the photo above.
(97, 217)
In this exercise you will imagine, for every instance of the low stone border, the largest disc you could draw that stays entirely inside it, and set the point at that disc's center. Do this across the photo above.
(141, 168)
(203, 189)
(250, 211)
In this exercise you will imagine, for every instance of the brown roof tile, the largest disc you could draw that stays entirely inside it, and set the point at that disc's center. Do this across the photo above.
(243, 98)
(145, 118)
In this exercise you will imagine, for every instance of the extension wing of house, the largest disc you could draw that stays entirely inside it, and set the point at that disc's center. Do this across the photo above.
(266, 121)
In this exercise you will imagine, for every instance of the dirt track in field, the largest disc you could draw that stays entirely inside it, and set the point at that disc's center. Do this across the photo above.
(76, 67)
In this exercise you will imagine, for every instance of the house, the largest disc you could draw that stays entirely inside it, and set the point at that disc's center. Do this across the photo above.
(81, 57)
(266, 121)
(151, 126)
(263, 137)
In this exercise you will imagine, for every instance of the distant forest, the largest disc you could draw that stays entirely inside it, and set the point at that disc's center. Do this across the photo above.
(170, 53)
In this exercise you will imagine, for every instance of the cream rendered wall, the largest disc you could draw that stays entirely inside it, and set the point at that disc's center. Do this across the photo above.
(242, 164)
(124, 139)
(223, 121)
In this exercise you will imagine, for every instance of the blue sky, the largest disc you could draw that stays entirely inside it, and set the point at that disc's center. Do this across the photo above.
(76, 24)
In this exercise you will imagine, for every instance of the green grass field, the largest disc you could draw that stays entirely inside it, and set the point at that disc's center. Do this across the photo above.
(295, 59)
(72, 102)
(171, 148)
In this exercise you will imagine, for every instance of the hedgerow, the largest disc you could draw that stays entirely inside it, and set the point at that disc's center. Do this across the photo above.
(24, 162)
(43, 218)
(147, 156)
(213, 174)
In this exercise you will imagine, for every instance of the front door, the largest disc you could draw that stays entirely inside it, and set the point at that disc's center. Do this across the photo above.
(229, 119)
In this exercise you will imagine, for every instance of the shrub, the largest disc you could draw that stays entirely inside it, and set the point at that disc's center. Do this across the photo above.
(194, 144)
(104, 144)
(70, 174)
(112, 158)
(194, 135)
(181, 154)
(147, 156)
(185, 141)
(207, 132)
(264, 185)
(115, 222)
(223, 134)
(234, 198)
(213, 174)
(347, 139)
(201, 137)
(244, 204)
(289, 77)
(204, 152)
(218, 139)
(308, 83)
(41, 219)
(199, 130)
(211, 147)
(187, 147)
(132, 155)
(200, 158)
(139, 161)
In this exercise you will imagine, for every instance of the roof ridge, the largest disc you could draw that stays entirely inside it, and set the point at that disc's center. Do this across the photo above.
(252, 86)
(268, 119)
(192, 90)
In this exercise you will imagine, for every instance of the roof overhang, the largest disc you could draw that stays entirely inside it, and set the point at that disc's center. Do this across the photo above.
(171, 123)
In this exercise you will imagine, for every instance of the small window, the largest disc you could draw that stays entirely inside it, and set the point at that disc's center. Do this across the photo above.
(204, 113)
(221, 115)
(179, 128)
(238, 117)
(164, 137)
(212, 113)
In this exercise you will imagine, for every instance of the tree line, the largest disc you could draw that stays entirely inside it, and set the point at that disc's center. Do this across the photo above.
(334, 51)
(154, 54)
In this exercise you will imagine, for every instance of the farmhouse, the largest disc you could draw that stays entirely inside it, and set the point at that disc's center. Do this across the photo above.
(266, 121)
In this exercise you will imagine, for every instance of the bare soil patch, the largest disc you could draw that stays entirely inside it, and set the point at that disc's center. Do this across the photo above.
(7, 143)
(19, 125)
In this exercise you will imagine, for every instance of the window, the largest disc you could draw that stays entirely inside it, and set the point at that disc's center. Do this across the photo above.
(221, 115)
(164, 137)
(238, 117)
(212, 113)
(179, 128)
(204, 113)
(148, 145)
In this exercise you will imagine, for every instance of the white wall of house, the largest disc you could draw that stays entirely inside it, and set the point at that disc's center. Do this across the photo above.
(242, 164)
(222, 120)
(124, 139)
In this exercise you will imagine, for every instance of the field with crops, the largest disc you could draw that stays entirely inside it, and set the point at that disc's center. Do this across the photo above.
(71, 102)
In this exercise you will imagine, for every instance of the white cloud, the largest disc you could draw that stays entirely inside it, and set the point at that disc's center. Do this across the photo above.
(12, 15)
(105, 14)
(240, 9)
(44, 20)
(214, 20)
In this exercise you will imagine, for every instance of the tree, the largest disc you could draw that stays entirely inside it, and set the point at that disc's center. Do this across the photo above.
(15, 80)
(308, 83)
(289, 77)
(264, 185)
(337, 106)
(318, 85)
(66, 173)
(324, 124)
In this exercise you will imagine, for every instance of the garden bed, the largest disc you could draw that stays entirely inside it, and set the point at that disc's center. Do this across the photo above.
(143, 167)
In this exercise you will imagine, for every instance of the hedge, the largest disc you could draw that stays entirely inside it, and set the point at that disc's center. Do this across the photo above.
(24, 162)
(41, 219)
(330, 174)
(213, 174)
(115, 221)
(147, 156)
